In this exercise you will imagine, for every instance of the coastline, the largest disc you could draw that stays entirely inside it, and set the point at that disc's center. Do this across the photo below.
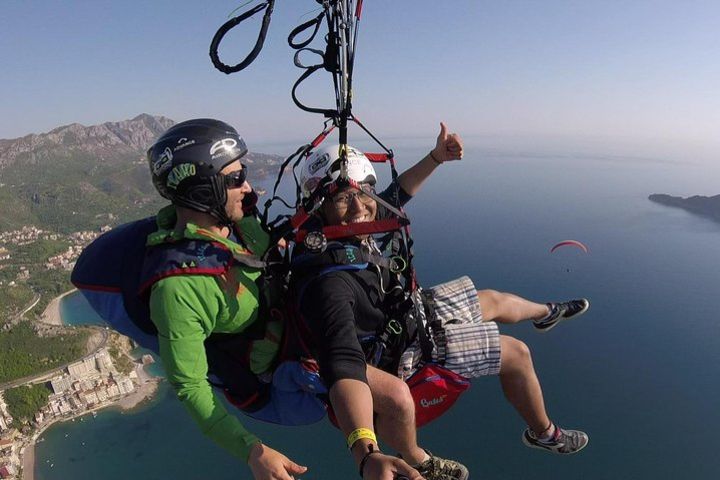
(145, 391)
(51, 315)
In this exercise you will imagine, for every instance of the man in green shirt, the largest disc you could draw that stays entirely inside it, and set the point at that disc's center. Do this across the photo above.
(201, 283)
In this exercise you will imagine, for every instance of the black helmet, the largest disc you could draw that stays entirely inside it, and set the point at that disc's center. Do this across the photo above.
(186, 160)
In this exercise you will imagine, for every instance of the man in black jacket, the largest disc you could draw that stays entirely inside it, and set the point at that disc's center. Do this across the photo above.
(346, 306)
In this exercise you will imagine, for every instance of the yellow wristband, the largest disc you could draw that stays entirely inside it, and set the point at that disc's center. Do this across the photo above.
(358, 434)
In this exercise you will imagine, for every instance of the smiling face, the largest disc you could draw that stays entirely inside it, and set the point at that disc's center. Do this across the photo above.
(349, 206)
(235, 194)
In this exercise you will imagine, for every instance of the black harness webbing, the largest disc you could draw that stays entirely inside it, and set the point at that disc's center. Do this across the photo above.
(342, 18)
(234, 22)
(339, 254)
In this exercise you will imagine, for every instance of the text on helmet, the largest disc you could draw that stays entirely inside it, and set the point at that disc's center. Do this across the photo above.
(180, 173)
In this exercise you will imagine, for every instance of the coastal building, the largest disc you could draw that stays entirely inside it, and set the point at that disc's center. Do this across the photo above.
(5, 418)
(101, 393)
(126, 386)
(61, 384)
(75, 402)
(93, 382)
(90, 398)
(6, 446)
(9, 464)
(82, 368)
(86, 384)
(113, 390)
(59, 405)
(7, 471)
(104, 361)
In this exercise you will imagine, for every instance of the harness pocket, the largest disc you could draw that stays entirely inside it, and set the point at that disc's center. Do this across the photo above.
(435, 389)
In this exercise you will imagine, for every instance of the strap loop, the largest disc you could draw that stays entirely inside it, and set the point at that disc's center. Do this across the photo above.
(364, 460)
(232, 23)
(298, 61)
(301, 28)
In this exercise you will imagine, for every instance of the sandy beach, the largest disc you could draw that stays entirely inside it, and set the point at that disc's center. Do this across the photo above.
(51, 315)
(145, 391)
(28, 462)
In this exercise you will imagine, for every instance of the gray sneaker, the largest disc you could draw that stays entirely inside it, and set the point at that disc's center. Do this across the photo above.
(436, 468)
(561, 311)
(563, 442)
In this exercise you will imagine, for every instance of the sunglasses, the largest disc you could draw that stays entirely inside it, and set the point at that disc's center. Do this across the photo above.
(237, 178)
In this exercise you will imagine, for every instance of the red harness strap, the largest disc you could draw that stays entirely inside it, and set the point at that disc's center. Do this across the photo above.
(378, 157)
(365, 228)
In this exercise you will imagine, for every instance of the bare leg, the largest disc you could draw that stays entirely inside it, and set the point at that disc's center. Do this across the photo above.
(395, 410)
(520, 383)
(504, 307)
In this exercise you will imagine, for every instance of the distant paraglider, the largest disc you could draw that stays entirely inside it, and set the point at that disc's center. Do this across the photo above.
(573, 243)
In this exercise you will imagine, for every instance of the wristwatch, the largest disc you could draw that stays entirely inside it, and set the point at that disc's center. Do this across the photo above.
(315, 242)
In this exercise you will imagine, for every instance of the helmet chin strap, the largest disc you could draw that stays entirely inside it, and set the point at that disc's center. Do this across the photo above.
(218, 194)
(219, 191)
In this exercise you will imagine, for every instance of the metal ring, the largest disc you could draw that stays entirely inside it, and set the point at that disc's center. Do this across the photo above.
(397, 264)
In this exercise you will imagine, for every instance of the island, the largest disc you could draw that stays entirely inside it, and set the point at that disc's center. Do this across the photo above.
(708, 207)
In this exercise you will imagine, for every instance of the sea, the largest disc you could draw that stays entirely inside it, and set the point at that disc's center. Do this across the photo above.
(639, 371)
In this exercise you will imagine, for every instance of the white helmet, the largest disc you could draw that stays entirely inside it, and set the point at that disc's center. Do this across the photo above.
(326, 160)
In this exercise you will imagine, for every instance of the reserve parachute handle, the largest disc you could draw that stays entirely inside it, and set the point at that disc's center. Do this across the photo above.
(232, 23)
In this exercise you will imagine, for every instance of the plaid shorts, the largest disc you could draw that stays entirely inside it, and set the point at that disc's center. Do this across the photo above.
(464, 343)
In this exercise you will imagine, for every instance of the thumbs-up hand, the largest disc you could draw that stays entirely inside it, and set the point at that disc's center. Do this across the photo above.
(448, 146)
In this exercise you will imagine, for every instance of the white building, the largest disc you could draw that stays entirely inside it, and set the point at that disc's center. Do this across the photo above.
(60, 384)
(102, 394)
(103, 360)
(90, 398)
(82, 368)
(3, 407)
(126, 386)
(113, 390)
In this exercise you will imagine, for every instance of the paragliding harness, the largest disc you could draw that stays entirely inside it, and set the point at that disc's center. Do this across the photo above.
(409, 316)
(434, 388)
(115, 274)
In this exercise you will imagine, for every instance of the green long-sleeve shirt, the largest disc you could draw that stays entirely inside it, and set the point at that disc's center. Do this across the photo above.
(186, 309)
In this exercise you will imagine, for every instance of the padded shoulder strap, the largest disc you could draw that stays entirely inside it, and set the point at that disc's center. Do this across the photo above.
(338, 254)
(184, 257)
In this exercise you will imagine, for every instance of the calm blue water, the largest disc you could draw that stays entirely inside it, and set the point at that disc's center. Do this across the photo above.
(639, 372)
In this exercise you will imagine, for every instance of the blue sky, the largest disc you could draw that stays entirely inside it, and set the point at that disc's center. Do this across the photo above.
(644, 71)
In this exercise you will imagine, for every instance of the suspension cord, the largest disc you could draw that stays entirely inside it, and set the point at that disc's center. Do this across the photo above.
(342, 18)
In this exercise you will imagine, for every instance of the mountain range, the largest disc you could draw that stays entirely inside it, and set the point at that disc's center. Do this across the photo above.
(76, 177)
(704, 206)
